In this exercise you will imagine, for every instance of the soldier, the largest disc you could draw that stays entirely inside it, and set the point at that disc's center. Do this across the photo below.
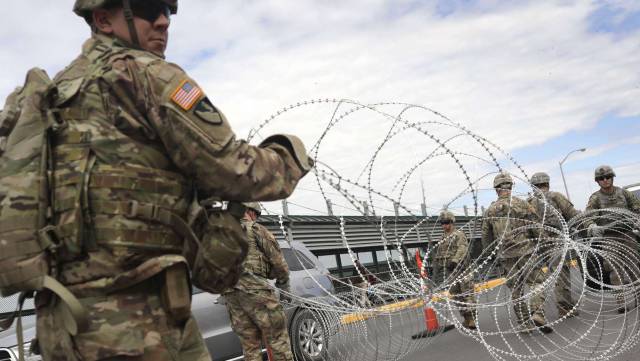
(137, 138)
(546, 203)
(450, 256)
(611, 238)
(508, 222)
(255, 313)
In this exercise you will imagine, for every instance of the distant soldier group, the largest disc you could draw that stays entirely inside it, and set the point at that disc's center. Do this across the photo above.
(527, 237)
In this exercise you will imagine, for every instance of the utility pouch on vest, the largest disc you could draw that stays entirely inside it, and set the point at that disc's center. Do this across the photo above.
(223, 246)
(176, 293)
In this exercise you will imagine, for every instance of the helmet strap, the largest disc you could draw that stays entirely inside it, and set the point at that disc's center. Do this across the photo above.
(128, 15)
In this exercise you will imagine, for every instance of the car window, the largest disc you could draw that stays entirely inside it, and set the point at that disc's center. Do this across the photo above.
(296, 260)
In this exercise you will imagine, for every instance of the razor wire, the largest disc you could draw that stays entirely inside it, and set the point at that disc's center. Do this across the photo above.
(371, 318)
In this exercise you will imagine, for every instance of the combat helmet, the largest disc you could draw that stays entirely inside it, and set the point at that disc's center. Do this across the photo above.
(254, 206)
(85, 7)
(540, 178)
(447, 216)
(501, 179)
(603, 171)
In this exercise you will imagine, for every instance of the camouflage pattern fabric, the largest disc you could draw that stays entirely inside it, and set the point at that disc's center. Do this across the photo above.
(264, 260)
(515, 271)
(254, 309)
(619, 198)
(140, 138)
(505, 220)
(129, 325)
(450, 255)
(626, 241)
(562, 290)
(256, 314)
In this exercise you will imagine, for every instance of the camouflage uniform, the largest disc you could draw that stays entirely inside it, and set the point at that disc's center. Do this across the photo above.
(450, 255)
(255, 312)
(127, 163)
(564, 300)
(504, 222)
(625, 242)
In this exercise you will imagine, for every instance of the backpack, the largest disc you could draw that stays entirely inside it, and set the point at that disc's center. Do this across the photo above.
(27, 236)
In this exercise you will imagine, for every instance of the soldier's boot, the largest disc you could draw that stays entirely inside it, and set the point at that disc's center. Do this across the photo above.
(469, 322)
(622, 305)
(568, 312)
(540, 323)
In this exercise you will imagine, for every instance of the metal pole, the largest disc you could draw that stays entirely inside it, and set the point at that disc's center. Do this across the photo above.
(566, 190)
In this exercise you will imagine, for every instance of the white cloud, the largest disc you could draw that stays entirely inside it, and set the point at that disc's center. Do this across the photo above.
(518, 74)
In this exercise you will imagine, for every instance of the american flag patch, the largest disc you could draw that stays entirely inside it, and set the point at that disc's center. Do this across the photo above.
(186, 95)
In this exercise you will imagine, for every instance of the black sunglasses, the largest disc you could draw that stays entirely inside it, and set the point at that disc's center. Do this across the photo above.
(445, 222)
(598, 179)
(150, 10)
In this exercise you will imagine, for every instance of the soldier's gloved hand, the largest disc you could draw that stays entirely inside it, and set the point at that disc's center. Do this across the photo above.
(595, 231)
(452, 266)
(285, 292)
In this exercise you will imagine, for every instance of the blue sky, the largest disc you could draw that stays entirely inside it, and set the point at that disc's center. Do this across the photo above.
(538, 78)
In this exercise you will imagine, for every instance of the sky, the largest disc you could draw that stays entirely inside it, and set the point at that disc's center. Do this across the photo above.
(539, 79)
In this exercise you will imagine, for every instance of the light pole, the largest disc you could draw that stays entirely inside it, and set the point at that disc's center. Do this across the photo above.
(566, 190)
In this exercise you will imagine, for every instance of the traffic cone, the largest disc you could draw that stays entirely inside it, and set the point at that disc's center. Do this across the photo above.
(430, 317)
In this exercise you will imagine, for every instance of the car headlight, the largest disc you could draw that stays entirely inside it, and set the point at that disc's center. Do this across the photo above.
(28, 356)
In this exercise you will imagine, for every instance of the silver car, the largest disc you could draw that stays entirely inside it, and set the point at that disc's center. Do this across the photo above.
(309, 338)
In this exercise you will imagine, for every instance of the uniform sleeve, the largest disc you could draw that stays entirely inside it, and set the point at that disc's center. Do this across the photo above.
(279, 267)
(566, 207)
(534, 220)
(487, 230)
(462, 247)
(203, 145)
(632, 201)
(593, 203)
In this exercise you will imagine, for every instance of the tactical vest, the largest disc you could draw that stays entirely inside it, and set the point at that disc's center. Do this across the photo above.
(448, 247)
(613, 200)
(118, 198)
(256, 261)
(508, 224)
(550, 217)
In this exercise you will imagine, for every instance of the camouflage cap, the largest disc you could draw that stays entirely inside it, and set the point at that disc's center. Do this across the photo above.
(253, 206)
(604, 170)
(447, 216)
(540, 178)
(85, 7)
(502, 178)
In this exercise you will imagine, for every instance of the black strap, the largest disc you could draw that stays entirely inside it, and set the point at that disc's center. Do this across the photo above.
(128, 15)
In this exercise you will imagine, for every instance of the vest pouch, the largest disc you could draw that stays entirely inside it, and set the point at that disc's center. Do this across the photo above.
(222, 249)
(176, 293)
(74, 161)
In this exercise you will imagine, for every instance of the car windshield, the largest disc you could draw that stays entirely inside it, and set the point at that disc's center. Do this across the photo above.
(296, 260)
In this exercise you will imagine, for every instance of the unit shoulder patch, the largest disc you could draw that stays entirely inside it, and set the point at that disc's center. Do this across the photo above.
(208, 112)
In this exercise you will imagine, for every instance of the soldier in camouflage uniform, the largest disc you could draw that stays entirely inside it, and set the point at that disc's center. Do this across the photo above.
(507, 222)
(451, 255)
(254, 310)
(616, 240)
(546, 203)
(138, 138)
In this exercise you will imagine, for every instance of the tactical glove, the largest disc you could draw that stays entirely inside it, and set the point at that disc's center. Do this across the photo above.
(595, 231)
(285, 292)
(452, 266)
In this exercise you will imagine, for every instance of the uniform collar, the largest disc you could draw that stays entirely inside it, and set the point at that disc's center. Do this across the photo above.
(102, 40)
